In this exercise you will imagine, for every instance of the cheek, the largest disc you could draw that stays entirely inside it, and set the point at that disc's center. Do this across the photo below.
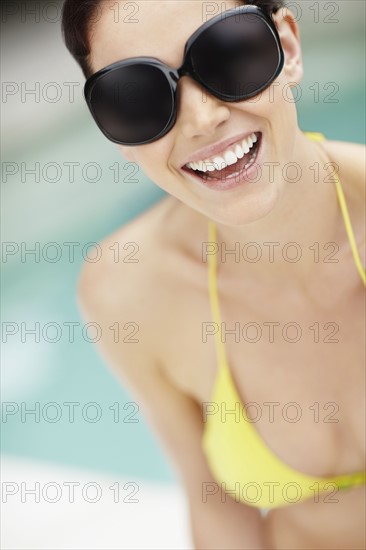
(127, 152)
(264, 105)
(277, 103)
(152, 163)
(154, 157)
(149, 157)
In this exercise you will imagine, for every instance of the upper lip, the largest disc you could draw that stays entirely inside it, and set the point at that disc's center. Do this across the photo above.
(216, 148)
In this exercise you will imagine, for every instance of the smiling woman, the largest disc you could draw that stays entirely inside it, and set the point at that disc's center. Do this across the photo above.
(199, 96)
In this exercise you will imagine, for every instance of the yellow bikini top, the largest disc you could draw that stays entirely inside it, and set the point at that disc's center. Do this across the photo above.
(240, 461)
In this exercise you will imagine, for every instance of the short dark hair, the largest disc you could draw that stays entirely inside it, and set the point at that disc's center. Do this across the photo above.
(77, 19)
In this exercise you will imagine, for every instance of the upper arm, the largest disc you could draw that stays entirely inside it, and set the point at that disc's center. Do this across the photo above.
(174, 416)
(111, 295)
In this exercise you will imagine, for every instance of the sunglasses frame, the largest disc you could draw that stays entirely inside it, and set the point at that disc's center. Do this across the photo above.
(186, 69)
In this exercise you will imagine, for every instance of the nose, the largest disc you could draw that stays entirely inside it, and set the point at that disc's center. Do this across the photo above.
(199, 112)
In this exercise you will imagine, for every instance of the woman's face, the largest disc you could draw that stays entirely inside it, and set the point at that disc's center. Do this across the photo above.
(160, 30)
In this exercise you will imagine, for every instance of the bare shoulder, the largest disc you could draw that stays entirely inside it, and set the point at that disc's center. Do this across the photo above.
(350, 163)
(351, 159)
(137, 277)
(126, 271)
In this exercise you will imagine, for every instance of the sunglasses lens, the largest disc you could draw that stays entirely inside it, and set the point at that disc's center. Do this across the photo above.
(132, 104)
(238, 56)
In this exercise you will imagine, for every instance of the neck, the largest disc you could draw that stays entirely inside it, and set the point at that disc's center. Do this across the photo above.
(307, 214)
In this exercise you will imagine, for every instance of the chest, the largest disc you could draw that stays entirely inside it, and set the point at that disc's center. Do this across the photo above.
(305, 376)
(299, 367)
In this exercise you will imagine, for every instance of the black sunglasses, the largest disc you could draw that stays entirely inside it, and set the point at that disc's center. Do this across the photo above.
(234, 56)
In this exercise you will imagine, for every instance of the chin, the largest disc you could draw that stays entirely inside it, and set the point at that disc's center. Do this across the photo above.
(246, 209)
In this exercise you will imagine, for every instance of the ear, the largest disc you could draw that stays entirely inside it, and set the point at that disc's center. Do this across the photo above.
(289, 34)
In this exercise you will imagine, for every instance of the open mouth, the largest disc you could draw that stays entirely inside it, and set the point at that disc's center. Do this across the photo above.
(226, 172)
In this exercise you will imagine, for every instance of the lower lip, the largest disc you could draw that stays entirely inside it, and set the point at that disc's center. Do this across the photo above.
(247, 176)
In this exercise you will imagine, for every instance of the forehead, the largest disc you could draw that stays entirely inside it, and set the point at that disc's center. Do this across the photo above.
(147, 28)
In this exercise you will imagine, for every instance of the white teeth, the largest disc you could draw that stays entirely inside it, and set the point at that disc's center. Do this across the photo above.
(246, 148)
(230, 156)
(239, 152)
(219, 163)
